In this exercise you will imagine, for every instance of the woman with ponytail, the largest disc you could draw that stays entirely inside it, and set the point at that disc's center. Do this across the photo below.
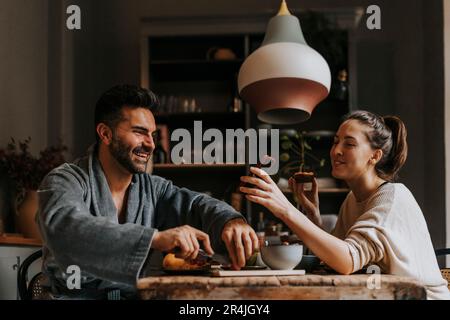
(379, 223)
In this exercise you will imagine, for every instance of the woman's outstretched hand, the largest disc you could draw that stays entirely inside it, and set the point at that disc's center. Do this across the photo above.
(265, 192)
(331, 250)
(308, 200)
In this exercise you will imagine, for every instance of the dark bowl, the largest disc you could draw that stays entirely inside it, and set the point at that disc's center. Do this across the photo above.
(308, 263)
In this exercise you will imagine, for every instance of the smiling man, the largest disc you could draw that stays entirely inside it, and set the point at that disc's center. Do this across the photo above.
(106, 215)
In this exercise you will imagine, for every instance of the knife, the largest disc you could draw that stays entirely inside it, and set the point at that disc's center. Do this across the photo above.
(216, 258)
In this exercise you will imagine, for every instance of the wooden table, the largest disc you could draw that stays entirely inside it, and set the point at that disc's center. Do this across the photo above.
(306, 287)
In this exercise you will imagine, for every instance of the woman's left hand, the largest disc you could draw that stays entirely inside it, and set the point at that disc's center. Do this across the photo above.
(266, 193)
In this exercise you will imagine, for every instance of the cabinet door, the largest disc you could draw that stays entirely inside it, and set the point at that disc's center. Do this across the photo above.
(8, 278)
(10, 259)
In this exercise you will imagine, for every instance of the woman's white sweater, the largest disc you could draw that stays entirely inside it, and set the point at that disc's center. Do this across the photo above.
(389, 230)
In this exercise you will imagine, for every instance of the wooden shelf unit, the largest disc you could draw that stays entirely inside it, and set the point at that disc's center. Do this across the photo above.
(176, 65)
(13, 239)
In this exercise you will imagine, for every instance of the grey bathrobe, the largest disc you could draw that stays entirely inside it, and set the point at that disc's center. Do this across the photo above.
(79, 223)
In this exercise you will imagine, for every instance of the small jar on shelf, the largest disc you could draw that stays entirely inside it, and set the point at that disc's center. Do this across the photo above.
(261, 226)
(236, 105)
(341, 89)
(159, 154)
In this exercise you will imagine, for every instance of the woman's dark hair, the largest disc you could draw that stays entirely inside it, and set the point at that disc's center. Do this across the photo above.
(109, 106)
(387, 133)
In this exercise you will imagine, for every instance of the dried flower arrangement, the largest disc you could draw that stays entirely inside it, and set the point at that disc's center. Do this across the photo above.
(26, 170)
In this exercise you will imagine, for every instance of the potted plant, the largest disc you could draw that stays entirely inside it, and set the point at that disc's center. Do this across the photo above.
(25, 173)
(297, 153)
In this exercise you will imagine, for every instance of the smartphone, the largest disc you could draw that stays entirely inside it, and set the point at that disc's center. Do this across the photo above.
(259, 165)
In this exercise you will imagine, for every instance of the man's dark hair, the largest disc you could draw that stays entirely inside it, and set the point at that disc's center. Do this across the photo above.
(109, 106)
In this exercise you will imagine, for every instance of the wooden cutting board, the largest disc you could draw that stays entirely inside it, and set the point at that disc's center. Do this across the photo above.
(256, 273)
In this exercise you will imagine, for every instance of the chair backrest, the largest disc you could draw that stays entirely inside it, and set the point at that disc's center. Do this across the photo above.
(442, 252)
(25, 289)
(445, 271)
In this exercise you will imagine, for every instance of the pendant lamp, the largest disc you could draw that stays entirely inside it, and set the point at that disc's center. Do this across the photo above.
(284, 79)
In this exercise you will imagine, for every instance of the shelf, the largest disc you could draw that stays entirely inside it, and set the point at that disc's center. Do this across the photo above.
(195, 70)
(171, 166)
(227, 120)
(193, 47)
(199, 115)
(13, 239)
(199, 62)
(320, 133)
(325, 190)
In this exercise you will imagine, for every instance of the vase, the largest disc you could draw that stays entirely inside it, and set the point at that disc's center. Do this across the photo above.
(26, 208)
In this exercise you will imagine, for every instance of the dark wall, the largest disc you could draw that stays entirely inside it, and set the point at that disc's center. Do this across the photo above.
(399, 70)
(434, 120)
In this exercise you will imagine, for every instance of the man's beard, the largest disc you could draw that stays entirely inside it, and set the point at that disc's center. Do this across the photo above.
(123, 153)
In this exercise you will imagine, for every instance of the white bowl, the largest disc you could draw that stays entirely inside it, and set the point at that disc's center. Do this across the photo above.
(282, 257)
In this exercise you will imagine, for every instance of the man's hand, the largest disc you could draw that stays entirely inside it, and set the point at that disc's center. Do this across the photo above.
(241, 241)
(185, 239)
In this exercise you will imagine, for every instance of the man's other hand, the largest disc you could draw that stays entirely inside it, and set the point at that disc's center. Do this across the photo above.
(241, 241)
(183, 240)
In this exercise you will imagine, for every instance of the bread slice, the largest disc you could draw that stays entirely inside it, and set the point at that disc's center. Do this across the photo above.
(171, 262)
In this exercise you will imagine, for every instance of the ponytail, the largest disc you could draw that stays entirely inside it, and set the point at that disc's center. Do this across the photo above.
(399, 150)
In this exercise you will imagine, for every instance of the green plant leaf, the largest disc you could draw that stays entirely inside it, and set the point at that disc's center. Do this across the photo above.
(307, 146)
(286, 145)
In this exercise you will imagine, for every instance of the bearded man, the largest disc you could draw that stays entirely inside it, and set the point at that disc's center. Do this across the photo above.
(106, 215)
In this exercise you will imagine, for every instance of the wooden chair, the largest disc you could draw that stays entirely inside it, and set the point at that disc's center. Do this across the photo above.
(445, 271)
(32, 289)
